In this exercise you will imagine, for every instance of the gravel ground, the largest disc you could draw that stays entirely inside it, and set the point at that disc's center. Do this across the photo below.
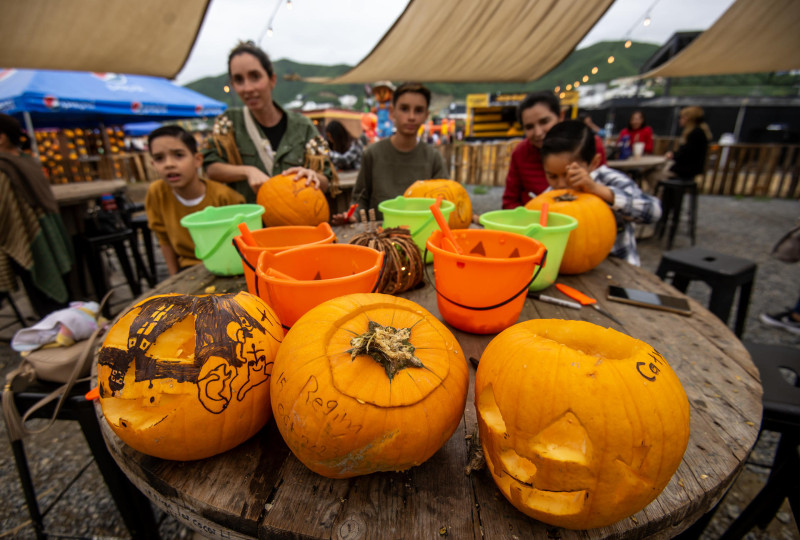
(66, 477)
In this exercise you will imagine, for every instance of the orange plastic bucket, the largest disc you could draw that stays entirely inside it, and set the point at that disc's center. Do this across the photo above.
(298, 279)
(275, 240)
(482, 291)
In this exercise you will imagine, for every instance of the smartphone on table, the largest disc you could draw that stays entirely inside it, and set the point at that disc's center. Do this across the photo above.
(649, 299)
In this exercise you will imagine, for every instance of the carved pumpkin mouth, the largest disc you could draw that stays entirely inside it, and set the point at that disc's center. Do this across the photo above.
(553, 474)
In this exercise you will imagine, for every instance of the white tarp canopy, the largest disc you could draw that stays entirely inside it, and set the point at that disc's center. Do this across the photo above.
(145, 37)
(752, 36)
(477, 40)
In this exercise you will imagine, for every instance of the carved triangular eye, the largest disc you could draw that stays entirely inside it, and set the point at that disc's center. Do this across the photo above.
(478, 249)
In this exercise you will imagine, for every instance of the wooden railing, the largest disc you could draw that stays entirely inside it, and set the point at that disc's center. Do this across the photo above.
(751, 170)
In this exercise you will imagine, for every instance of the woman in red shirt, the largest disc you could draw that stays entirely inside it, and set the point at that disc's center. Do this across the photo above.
(638, 131)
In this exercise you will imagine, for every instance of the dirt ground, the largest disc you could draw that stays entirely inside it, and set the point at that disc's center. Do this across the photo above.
(69, 483)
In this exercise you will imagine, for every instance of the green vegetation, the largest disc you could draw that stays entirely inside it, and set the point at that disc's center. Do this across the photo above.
(626, 63)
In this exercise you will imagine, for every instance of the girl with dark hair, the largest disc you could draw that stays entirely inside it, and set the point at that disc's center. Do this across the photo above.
(571, 162)
(346, 150)
(690, 158)
(252, 144)
(638, 131)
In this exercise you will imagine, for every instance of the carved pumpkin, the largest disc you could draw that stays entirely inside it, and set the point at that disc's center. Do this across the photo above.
(287, 202)
(581, 425)
(450, 190)
(368, 382)
(591, 242)
(187, 377)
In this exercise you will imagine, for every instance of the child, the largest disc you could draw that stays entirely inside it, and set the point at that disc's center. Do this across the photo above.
(180, 192)
(389, 166)
(571, 162)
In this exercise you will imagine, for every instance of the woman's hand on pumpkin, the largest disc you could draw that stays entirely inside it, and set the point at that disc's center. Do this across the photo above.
(312, 178)
(255, 177)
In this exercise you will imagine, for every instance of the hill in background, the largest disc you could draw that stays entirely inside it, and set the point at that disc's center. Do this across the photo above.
(626, 64)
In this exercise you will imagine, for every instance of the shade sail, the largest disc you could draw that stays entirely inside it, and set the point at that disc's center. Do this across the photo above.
(477, 41)
(69, 98)
(148, 37)
(752, 36)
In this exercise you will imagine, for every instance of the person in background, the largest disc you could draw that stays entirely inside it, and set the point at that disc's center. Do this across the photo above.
(346, 150)
(571, 161)
(638, 131)
(788, 320)
(180, 192)
(537, 113)
(34, 243)
(690, 158)
(597, 130)
(391, 165)
(252, 144)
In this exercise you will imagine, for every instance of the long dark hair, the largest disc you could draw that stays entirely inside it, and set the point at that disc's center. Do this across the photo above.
(340, 138)
(545, 97)
(640, 113)
(571, 136)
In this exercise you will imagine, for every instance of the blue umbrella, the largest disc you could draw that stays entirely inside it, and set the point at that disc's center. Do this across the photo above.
(70, 98)
(140, 128)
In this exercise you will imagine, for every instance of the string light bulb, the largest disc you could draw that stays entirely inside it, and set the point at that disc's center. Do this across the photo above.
(568, 87)
(628, 44)
(585, 78)
(226, 89)
(562, 95)
(557, 89)
(289, 4)
(646, 21)
(610, 59)
(269, 32)
(595, 70)
(577, 84)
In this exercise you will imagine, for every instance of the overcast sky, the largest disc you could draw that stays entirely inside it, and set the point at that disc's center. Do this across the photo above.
(331, 32)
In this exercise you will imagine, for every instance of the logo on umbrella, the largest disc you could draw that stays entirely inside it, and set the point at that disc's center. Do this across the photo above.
(198, 109)
(51, 102)
(136, 107)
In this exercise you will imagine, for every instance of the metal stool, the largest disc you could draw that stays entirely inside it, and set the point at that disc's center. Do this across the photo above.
(139, 223)
(133, 506)
(723, 273)
(671, 193)
(94, 246)
(781, 414)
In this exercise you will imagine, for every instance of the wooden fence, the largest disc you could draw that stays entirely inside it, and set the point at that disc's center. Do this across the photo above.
(752, 170)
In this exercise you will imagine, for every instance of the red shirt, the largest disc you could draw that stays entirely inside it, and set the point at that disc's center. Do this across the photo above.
(525, 174)
(644, 135)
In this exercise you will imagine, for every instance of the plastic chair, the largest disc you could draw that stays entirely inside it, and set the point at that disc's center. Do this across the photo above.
(723, 273)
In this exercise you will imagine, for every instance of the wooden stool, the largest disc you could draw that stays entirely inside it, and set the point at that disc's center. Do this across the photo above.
(723, 273)
(671, 192)
(781, 402)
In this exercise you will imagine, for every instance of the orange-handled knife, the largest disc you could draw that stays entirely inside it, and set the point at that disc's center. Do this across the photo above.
(585, 301)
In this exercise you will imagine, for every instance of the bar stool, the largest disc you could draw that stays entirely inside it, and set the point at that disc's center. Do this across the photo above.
(723, 273)
(781, 403)
(671, 192)
(139, 224)
(94, 246)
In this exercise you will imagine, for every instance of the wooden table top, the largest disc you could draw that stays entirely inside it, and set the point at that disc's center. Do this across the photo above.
(644, 162)
(259, 489)
(78, 192)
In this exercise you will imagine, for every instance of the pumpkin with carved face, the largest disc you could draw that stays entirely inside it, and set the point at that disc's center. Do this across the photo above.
(186, 377)
(581, 425)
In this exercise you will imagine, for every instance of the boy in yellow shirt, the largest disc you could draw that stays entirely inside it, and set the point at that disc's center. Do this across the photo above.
(179, 193)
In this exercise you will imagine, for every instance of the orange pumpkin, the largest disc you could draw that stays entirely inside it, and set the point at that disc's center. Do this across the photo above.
(581, 425)
(187, 377)
(287, 202)
(366, 383)
(450, 190)
(591, 242)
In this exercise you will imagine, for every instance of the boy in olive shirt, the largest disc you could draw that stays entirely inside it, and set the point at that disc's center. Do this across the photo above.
(391, 165)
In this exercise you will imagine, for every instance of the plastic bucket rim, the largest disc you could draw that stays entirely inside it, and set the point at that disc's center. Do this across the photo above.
(421, 212)
(488, 260)
(187, 221)
(316, 282)
(571, 225)
(249, 249)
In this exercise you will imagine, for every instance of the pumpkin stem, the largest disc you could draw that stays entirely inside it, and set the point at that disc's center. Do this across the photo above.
(388, 346)
(568, 196)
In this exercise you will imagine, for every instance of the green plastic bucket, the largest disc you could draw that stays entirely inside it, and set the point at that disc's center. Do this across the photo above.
(213, 229)
(526, 222)
(414, 213)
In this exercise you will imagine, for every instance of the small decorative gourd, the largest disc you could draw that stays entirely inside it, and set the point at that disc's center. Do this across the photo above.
(581, 425)
(186, 377)
(591, 242)
(368, 382)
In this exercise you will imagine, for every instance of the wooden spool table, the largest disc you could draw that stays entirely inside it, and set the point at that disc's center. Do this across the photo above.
(259, 489)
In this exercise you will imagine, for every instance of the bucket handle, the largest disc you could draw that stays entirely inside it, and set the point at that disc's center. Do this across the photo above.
(238, 218)
(504, 302)
(245, 261)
